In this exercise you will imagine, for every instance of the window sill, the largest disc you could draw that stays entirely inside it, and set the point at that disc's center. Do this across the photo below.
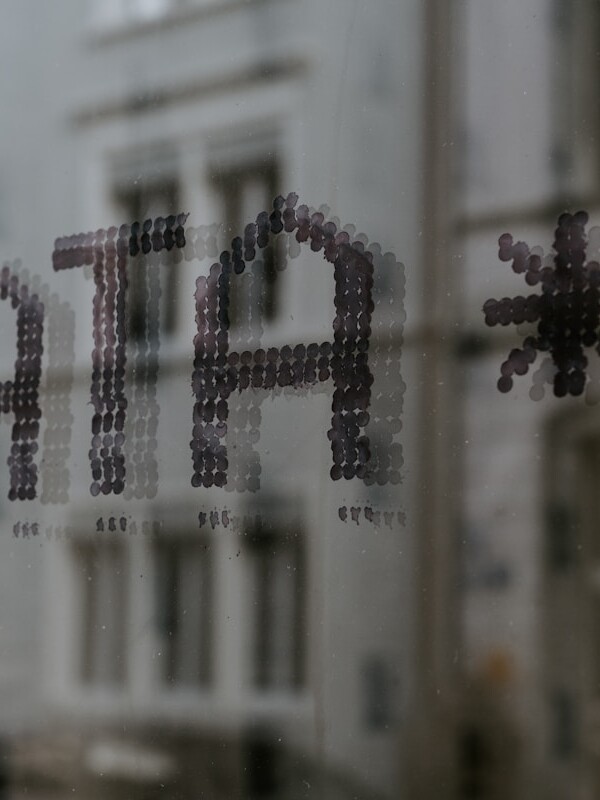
(193, 707)
(107, 32)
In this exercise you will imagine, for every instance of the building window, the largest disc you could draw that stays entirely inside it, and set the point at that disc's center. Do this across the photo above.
(278, 587)
(101, 569)
(183, 612)
(561, 536)
(263, 757)
(378, 702)
(152, 294)
(243, 192)
(564, 723)
(576, 115)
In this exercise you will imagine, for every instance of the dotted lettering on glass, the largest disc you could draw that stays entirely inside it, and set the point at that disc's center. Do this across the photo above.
(20, 397)
(567, 312)
(367, 386)
(109, 251)
(220, 371)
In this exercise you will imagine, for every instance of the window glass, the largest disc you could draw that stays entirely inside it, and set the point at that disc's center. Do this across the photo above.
(299, 385)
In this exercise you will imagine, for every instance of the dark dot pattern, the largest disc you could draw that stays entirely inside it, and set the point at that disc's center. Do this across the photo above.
(56, 393)
(20, 397)
(567, 312)
(374, 516)
(218, 371)
(141, 426)
(57, 400)
(109, 252)
(384, 426)
(25, 530)
(366, 419)
(244, 418)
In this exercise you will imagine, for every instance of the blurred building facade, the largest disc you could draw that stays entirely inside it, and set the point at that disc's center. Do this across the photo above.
(299, 654)
(277, 657)
(528, 136)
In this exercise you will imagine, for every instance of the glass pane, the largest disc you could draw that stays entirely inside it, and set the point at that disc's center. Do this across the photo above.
(299, 385)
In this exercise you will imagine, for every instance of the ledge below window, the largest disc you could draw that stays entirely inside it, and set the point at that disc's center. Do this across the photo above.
(125, 27)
